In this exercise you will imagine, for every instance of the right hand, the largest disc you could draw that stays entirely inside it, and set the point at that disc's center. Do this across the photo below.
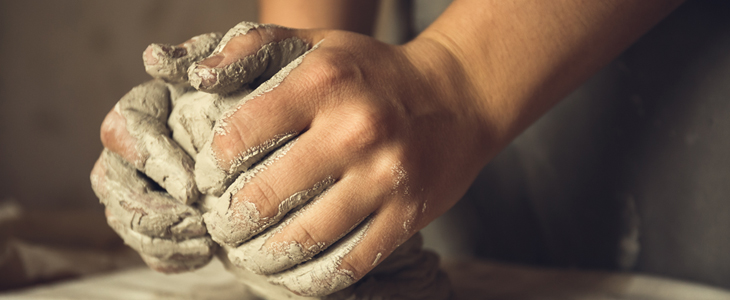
(143, 177)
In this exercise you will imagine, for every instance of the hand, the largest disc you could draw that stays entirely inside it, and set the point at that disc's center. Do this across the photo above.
(170, 236)
(380, 140)
(143, 177)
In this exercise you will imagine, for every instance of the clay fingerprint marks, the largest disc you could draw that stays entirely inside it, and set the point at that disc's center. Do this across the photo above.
(169, 235)
(171, 62)
(264, 63)
(146, 109)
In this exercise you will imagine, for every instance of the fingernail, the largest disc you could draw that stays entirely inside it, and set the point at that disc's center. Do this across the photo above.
(206, 76)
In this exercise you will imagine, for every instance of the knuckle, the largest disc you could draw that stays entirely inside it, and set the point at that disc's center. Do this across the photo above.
(356, 268)
(386, 173)
(364, 130)
(110, 127)
(115, 137)
(238, 132)
(330, 70)
(301, 233)
(264, 196)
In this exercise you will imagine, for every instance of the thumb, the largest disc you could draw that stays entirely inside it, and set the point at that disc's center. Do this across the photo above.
(170, 63)
(248, 52)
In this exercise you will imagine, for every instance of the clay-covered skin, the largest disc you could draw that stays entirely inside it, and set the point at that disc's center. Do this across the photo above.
(244, 230)
(171, 62)
(143, 177)
(268, 238)
(194, 114)
(170, 235)
(269, 59)
(144, 111)
(212, 177)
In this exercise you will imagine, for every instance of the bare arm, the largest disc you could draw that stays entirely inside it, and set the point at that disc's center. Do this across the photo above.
(394, 134)
(519, 58)
(351, 15)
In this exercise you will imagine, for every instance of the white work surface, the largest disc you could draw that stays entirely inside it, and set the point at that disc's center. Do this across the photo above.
(471, 280)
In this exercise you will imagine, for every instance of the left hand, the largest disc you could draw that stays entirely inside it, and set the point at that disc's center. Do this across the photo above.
(143, 177)
(389, 135)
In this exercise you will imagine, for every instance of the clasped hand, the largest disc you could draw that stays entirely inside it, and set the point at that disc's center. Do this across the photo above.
(325, 150)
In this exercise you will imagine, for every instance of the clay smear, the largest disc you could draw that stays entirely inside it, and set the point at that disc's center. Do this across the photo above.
(146, 109)
(133, 200)
(171, 63)
(170, 234)
(193, 117)
(255, 256)
(209, 175)
(323, 275)
(267, 60)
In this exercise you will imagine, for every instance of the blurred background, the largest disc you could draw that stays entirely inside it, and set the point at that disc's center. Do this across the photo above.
(631, 172)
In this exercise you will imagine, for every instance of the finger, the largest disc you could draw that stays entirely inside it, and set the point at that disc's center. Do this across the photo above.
(165, 255)
(307, 232)
(347, 260)
(322, 276)
(229, 221)
(252, 129)
(193, 116)
(116, 137)
(133, 200)
(262, 196)
(248, 51)
(170, 63)
(137, 129)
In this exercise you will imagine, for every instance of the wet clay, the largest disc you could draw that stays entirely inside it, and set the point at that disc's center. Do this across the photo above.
(231, 224)
(278, 257)
(211, 178)
(162, 229)
(409, 272)
(268, 60)
(171, 62)
(146, 109)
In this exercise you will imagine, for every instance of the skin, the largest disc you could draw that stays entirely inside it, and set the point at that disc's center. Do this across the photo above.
(356, 16)
(168, 234)
(404, 130)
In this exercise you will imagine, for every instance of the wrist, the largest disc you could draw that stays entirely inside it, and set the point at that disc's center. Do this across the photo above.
(446, 75)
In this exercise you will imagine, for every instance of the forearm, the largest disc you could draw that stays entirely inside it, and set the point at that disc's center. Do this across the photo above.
(519, 58)
(351, 15)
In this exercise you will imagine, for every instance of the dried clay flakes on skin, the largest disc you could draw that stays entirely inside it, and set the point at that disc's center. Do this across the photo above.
(209, 175)
(269, 59)
(323, 275)
(258, 258)
(227, 221)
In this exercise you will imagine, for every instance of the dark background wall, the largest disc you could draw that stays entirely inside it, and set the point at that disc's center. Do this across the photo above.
(630, 172)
